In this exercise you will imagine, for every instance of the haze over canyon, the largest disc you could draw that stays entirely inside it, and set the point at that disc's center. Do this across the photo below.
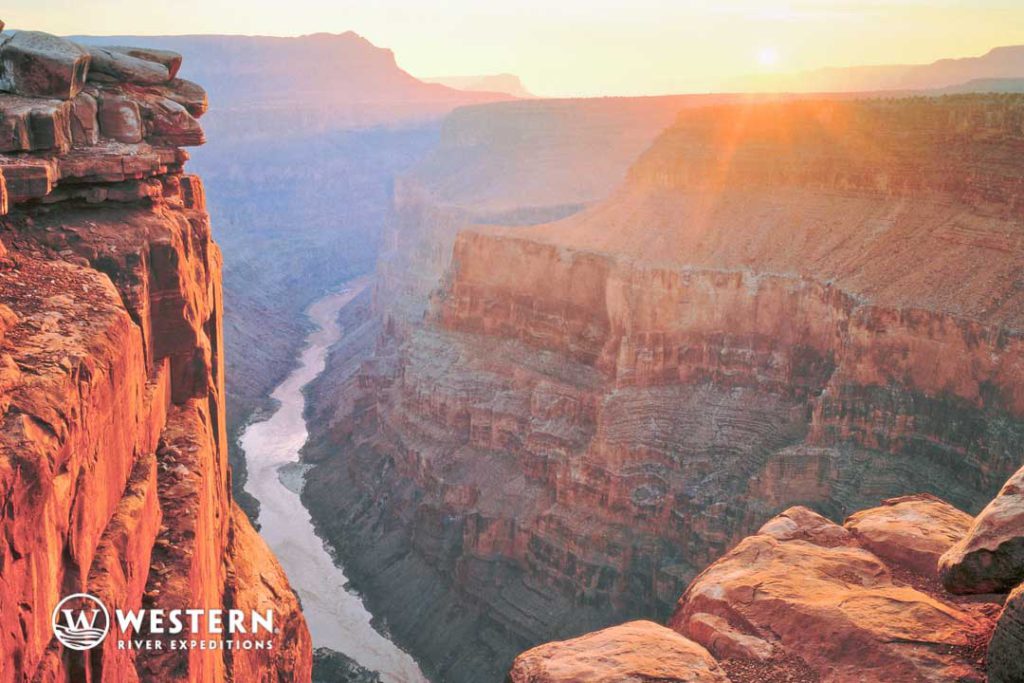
(468, 385)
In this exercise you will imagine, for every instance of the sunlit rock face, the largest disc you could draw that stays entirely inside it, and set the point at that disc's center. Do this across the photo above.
(990, 557)
(785, 303)
(807, 599)
(826, 601)
(113, 460)
(524, 162)
(631, 653)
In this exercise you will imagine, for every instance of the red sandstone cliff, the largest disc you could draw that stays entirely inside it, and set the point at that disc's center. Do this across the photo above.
(113, 462)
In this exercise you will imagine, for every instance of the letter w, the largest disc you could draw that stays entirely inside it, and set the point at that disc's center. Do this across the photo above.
(129, 619)
(82, 623)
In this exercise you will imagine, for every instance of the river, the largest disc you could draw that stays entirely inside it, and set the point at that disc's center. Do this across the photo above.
(336, 616)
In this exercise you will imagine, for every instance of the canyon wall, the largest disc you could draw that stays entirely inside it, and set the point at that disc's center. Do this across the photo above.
(517, 163)
(113, 450)
(523, 162)
(793, 303)
(299, 167)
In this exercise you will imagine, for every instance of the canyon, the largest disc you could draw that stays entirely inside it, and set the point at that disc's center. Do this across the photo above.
(695, 387)
(584, 378)
(298, 165)
(114, 472)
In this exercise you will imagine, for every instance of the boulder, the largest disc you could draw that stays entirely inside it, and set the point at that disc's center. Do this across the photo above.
(635, 652)
(119, 118)
(910, 531)
(168, 58)
(124, 67)
(990, 557)
(168, 122)
(190, 95)
(37, 64)
(1006, 648)
(835, 608)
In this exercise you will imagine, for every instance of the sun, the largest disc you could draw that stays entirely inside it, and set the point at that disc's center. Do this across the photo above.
(767, 57)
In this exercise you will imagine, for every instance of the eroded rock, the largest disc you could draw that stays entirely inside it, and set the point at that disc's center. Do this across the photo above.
(803, 524)
(84, 119)
(990, 557)
(1006, 649)
(119, 118)
(113, 449)
(32, 124)
(168, 122)
(836, 608)
(186, 93)
(114, 63)
(911, 531)
(37, 64)
(636, 652)
(168, 58)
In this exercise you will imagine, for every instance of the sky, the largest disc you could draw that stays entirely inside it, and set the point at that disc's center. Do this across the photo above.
(581, 47)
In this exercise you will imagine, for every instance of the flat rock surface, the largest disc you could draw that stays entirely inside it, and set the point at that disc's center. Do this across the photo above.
(636, 652)
(122, 66)
(912, 531)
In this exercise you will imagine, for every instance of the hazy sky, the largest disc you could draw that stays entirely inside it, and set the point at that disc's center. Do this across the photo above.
(581, 47)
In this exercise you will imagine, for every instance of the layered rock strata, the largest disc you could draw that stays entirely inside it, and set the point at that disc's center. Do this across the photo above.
(525, 162)
(810, 303)
(113, 462)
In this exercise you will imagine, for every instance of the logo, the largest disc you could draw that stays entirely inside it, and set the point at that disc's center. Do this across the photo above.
(80, 621)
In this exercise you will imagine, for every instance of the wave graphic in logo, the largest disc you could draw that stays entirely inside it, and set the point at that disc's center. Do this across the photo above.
(80, 621)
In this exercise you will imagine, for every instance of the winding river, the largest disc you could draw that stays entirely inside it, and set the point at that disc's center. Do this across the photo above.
(336, 616)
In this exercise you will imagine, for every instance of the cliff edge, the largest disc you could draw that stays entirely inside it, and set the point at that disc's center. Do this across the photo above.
(113, 459)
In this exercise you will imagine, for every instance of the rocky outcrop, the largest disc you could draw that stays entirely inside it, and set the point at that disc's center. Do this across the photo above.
(36, 64)
(1004, 661)
(835, 606)
(806, 599)
(913, 531)
(990, 557)
(637, 652)
(113, 462)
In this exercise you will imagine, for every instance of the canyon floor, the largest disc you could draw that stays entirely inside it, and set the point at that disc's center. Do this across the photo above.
(336, 616)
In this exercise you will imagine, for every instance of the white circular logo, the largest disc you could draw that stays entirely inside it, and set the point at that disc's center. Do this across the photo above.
(80, 621)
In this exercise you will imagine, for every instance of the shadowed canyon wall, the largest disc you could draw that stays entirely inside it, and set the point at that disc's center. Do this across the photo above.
(305, 135)
(810, 302)
(114, 472)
